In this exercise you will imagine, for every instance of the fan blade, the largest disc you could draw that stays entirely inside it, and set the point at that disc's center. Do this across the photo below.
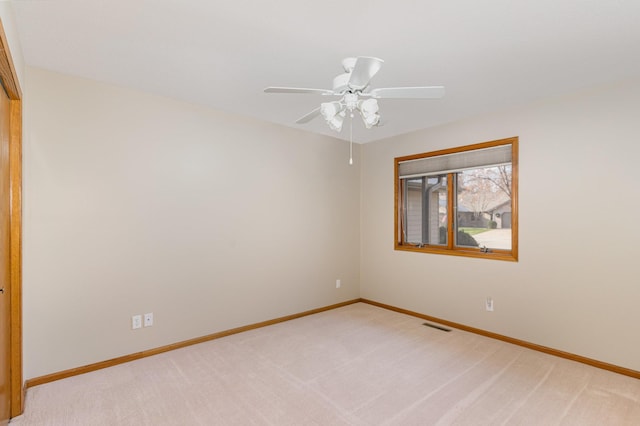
(308, 117)
(363, 72)
(297, 90)
(429, 92)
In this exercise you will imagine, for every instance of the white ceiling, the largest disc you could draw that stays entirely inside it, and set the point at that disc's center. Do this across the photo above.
(490, 55)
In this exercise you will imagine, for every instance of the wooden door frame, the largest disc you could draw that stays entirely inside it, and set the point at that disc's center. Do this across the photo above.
(12, 87)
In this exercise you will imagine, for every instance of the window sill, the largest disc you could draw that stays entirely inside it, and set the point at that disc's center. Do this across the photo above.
(509, 256)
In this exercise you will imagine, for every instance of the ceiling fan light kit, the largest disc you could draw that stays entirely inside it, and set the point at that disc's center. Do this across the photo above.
(328, 110)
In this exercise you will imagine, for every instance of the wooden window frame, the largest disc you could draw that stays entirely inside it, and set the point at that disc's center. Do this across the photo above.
(450, 248)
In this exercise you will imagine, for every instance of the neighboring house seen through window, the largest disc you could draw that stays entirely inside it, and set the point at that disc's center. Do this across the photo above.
(460, 201)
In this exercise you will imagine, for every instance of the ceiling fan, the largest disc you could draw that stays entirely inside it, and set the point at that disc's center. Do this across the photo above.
(352, 87)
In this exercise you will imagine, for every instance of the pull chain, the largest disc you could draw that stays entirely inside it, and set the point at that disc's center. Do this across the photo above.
(351, 140)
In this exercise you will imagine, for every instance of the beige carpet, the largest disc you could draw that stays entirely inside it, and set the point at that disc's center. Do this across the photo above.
(356, 365)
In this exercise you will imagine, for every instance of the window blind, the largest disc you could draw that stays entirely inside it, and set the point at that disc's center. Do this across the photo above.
(456, 162)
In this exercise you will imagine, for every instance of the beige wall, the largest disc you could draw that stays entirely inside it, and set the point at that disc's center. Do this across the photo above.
(575, 287)
(135, 203)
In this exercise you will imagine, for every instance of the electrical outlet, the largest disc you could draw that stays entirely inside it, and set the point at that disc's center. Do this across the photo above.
(148, 319)
(338, 284)
(489, 304)
(136, 322)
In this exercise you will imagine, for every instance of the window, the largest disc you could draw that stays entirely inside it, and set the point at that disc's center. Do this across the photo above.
(460, 201)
